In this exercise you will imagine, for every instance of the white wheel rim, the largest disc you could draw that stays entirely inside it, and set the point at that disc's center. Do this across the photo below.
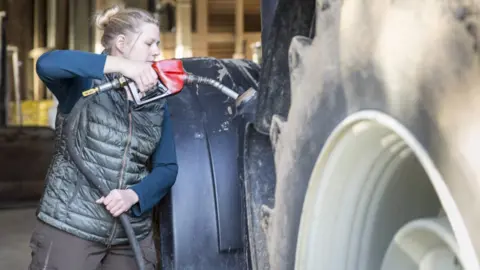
(349, 189)
(425, 244)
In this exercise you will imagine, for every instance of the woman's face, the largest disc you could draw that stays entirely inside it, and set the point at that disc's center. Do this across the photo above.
(144, 45)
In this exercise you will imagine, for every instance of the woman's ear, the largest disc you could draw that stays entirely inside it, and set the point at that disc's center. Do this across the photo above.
(120, 43)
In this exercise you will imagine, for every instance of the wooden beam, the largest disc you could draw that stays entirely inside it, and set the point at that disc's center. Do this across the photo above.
(143, 4)
(51, 23)
(20, 15)
(202, 27)
(62, 25)
(202, 16)
(183, 29)
(82, 35)
(239, 29)
(71, 24)
(168, 39)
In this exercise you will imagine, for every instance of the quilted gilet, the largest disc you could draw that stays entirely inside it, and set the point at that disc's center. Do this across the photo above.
(115, 139)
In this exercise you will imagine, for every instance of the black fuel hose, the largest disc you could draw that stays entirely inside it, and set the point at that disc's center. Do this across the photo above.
(192, 79)
(72, 121)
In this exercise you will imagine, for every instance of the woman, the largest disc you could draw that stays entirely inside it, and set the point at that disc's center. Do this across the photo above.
(76, 226)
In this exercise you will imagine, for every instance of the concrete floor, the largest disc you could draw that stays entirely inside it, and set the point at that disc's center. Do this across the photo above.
(16, 227)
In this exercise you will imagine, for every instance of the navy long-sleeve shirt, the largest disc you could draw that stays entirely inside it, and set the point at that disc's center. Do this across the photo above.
(67, 73)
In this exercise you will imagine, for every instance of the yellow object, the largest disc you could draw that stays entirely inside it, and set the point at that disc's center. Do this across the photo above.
(90, 91)
(35, 113)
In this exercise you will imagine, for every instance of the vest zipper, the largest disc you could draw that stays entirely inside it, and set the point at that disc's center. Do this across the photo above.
(124, 163)
(129, 138)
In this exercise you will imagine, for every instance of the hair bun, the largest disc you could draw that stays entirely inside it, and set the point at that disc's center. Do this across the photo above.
(102, 19)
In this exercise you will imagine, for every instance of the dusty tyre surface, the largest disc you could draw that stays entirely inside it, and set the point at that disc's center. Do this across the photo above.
(411, 68)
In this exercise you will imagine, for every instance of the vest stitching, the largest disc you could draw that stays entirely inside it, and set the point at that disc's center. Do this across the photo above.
(114, 171)
(101, 153)
(134, 151)
(145, 138)
(96, 102)
(101, 140)
(138, 155)
(77, 187)
(106, 220)
(103, 167)
(91, 121)
(94, 140)
(58, 143)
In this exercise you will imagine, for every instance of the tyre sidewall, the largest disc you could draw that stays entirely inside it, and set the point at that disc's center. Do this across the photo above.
(322, 99)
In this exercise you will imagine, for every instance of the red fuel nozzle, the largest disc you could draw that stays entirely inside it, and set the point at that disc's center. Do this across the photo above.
(171, 73)
(174, 77)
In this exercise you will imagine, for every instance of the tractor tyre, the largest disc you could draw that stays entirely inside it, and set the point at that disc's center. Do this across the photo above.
(377, 162)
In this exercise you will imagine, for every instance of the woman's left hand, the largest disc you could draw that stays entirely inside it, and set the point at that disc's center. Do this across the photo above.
(119, 201)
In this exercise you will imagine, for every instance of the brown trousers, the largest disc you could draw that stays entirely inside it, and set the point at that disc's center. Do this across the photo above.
(53, 249)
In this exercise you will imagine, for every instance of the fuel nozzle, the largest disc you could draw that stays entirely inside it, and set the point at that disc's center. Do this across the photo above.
(171, 79)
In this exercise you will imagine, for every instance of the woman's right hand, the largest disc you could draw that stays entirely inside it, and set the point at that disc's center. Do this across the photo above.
(141, 73)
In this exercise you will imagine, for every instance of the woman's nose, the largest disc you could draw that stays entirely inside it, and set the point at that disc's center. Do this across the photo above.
(155, 51)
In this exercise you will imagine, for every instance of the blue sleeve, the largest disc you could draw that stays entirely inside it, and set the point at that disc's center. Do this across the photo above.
(65, 73)
(164, 172)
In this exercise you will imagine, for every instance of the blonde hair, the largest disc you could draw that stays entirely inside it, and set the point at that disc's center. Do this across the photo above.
(118, 20)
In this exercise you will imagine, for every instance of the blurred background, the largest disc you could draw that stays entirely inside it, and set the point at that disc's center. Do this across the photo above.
(29, 28)
(215, 28)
